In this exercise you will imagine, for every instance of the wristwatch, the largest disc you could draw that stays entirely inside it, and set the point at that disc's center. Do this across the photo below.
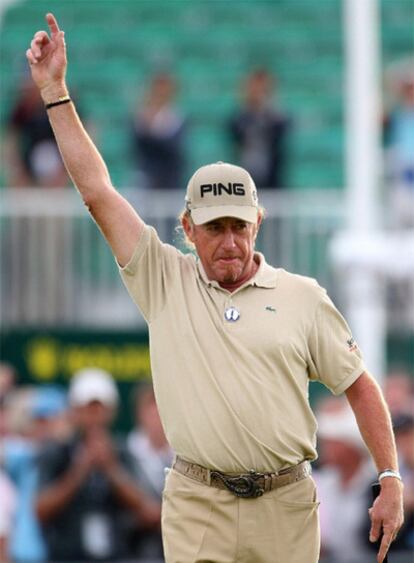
(389, 473)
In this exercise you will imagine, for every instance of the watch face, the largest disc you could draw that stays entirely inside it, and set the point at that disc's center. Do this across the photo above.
(231, 314)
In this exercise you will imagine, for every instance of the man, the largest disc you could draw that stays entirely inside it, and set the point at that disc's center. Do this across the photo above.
(7, 512)
(88, 499)
(36, 416)
(233, 345)
(344, 475)
(158, 136)
(151, 452)
(260, 132)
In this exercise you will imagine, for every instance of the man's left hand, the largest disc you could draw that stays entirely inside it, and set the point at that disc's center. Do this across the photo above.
(387, 515)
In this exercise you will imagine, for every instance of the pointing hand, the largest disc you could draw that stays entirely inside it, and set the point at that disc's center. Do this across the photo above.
(47, 59)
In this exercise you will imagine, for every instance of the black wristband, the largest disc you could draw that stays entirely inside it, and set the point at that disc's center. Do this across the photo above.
(63, 100)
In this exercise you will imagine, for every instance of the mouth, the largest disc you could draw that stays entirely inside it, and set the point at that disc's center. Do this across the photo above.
(228, 260)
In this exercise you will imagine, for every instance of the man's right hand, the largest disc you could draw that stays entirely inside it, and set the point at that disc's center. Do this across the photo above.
(47, 59)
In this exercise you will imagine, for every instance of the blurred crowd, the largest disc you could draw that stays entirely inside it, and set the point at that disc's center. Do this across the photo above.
(71, 489)
(344, 474)
(398, 136)
(257, 132)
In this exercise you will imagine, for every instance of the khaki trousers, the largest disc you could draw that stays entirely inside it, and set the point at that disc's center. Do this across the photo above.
(203, 524)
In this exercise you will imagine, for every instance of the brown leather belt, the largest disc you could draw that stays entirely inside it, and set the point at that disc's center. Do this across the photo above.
(245, 485)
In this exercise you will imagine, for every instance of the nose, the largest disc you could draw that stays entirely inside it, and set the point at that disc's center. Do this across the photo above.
(228, 239)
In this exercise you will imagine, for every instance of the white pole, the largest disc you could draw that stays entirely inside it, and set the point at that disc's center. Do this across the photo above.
(365, 300)
(362, 113)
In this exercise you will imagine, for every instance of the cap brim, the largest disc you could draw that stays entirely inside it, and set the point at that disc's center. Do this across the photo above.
(83, 401)
(205, 214)
(80, 399)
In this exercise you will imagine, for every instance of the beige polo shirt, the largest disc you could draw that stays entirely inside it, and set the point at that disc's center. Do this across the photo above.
(233, 395)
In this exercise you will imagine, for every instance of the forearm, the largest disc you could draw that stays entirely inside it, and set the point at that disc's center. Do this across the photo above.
(125, 489)
(83, 162)
(374, 421)
(55, 497)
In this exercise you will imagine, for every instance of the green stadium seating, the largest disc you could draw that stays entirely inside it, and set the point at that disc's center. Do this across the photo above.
(115, 45)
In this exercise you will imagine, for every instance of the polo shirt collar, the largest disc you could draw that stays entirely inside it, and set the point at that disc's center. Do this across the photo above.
(266, 275)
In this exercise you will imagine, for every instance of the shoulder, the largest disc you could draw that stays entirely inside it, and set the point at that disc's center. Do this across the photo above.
(149, 247)
(57, 454)
(300, 285)
(302, 294)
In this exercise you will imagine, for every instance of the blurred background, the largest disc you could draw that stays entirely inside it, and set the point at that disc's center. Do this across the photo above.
(316, 99)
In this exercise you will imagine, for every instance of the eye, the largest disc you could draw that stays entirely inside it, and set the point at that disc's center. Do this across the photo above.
(213, 227)
(241, 226)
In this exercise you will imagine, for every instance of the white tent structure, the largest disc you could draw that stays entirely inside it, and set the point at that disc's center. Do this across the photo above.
(366, 255)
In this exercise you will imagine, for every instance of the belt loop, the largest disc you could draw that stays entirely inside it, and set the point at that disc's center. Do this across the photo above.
(208, 477)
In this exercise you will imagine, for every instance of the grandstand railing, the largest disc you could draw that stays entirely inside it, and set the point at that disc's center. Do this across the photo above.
(58, 271)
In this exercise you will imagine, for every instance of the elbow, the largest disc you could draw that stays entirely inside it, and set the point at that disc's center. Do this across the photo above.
(94, 197)
(89, 201)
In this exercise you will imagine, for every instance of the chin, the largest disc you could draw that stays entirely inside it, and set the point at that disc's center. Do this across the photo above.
(230, 277)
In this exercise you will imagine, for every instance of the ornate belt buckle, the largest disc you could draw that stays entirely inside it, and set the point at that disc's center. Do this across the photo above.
(244, 486)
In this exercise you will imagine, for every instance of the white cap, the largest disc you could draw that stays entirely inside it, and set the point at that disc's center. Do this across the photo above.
(93, 384)
(340, 425)
(221, 190)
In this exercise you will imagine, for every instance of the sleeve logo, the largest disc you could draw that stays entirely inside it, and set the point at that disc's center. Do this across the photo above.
(352, 345)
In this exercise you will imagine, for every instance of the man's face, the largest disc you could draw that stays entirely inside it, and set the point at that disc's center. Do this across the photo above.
(225, 247)
(93, 414)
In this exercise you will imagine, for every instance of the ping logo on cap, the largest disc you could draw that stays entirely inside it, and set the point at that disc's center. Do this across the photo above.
(221, 190)
(232, 188)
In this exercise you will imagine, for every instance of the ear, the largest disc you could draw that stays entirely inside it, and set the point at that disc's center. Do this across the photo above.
(188, 227)
(259, 222)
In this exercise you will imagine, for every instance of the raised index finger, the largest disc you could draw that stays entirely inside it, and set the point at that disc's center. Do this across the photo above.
(53, 25)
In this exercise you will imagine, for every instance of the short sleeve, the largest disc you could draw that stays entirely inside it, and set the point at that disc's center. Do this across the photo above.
(150, 272)
(335, 358)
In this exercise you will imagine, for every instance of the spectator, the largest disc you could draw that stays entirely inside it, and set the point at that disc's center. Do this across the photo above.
(7, 511)
(50, 415)
(7, 382)
(32, 415)
(149, 447)
(87, 494)
(33, 158)
(399, 142)
(404, 435)
(399, 393)
(7, 379)
(342, 481)
(403, 546)
(159, 135)
(260, 132)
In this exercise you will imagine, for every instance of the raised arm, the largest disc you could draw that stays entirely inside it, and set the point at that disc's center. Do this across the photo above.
(118, 221)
